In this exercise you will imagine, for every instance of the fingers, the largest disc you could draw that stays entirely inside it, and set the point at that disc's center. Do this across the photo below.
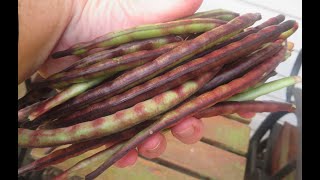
(188, 131)
(128, 160)
(153, 146)
(248, 115)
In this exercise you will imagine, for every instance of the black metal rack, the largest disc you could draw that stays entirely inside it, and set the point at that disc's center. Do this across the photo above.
(260, 151)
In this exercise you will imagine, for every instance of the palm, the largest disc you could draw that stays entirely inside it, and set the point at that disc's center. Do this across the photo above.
(96, 18)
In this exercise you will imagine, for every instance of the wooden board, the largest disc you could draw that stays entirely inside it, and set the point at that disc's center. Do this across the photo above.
(285, 149)
(207, 160)
(227, 134)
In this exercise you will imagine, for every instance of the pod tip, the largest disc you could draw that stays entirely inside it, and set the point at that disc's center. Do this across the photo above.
(296, 25)
(280, 18)
(25, 168)
(290, 45)
(258, 16)
(297, 79)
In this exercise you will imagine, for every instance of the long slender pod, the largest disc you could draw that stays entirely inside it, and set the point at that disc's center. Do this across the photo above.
(25, 112)
(288, 33)
(128, 48)
(107, 66)
(225, 17)
(95, 159)
(273, 73)
(221, 14)
(63, 96)
(248, 40)
(133, 96)
(77, 149)
(242, 66)
(221, 56)
(218, 109)
(114, 123)
(224, 108)
(67, 94)
(191, 107)
(272, 21)
(159, 65)
(261, 89)
(75, 90)
(266, 88)
(74, 150)
(197, 25)
(34, 95)
(263, 80)
(210, 37)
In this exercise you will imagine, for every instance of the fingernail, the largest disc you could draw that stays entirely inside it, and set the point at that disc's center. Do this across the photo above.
(153, 148)
(186, 132)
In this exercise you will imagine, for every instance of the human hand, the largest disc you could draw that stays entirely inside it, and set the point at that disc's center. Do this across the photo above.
(91, 19)
(49, 26)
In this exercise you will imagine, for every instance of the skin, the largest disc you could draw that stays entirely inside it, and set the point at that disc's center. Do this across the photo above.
(67, 23)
